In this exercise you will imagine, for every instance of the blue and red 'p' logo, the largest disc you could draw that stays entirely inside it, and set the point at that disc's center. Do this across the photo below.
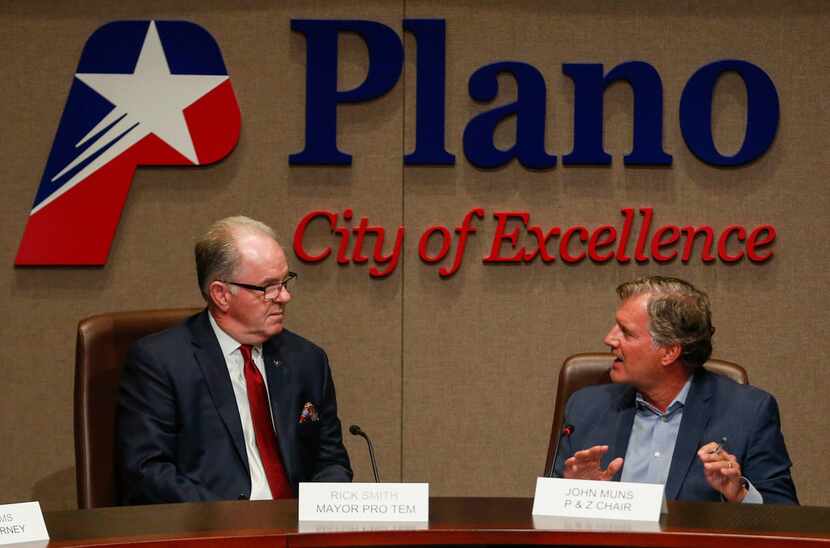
(145, 93)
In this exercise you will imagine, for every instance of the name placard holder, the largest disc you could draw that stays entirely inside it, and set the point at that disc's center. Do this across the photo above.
(598, 499)
(22, 522)
(364, 502)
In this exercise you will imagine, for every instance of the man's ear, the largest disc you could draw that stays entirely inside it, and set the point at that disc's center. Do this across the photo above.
(220, 295)
(671, 354)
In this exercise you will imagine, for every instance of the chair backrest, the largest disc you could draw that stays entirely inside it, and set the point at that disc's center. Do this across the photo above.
(101, 348)
(581, 370)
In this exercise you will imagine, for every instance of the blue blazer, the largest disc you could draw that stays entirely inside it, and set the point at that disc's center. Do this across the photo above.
(715, 407)
(179, 435)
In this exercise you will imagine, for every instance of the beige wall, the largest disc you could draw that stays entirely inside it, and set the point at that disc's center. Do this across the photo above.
(453, 378)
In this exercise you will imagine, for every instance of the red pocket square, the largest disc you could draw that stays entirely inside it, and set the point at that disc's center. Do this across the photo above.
(309, 413)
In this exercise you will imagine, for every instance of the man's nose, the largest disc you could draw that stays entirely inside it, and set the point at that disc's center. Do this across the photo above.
(612, 338)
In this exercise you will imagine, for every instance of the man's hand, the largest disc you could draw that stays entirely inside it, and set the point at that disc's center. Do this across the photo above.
(722, 471)
(586, 464)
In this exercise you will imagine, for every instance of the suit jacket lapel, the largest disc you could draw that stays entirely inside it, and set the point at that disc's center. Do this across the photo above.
(689, 437)
(625, 419)
(282, 406)
(209, 357)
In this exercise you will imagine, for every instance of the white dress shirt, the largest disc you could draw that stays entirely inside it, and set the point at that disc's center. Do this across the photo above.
(235, 362)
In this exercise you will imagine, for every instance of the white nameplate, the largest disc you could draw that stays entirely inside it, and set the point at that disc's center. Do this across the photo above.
(22, 522)
(598, 499)
(364, 502)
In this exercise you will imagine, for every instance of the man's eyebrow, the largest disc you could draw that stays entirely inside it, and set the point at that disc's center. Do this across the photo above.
(274, 281)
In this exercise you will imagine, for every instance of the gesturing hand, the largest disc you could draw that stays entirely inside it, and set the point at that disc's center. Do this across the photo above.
(722, 471)
(587, 464)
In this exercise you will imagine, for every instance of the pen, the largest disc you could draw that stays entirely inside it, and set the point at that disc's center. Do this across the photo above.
(721, 446)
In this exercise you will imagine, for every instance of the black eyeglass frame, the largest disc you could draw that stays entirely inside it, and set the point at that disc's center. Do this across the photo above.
(264, 288)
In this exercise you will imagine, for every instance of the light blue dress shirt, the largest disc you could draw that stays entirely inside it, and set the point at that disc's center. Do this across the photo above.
(651, 444)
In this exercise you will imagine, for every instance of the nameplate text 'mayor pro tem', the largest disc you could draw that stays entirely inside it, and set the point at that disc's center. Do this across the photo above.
(364, 502)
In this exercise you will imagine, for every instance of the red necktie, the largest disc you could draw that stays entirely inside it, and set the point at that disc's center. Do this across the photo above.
(266, 437)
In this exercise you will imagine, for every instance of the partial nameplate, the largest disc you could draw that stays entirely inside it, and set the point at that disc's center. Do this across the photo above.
(364, 502)
(22, 522)
(359, 526)
(599, 525)
(598, 499)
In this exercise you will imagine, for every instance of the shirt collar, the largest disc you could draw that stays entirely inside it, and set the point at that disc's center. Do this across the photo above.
(677, 403)
(227, 343)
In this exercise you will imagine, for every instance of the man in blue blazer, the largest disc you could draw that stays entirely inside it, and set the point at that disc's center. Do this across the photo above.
(229, 404)
(665, 419)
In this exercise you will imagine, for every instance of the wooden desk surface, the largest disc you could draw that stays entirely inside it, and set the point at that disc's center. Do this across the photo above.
(453, 521)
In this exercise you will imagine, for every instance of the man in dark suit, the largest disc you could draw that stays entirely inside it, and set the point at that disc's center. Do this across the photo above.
(229, 404)
(665, 419)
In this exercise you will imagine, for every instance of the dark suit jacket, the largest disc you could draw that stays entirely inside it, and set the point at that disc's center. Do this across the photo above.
(715, 407)
(179, 434)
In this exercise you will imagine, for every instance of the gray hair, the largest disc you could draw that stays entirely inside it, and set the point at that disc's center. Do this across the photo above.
(679, 313)
(216, 253)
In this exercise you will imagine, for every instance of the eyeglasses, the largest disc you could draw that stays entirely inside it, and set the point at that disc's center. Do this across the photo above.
(269, 292)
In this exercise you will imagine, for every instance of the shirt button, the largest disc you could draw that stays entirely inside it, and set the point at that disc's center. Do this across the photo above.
(657, 453)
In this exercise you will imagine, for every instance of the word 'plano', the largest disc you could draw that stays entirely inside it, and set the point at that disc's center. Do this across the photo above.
(590, 81)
